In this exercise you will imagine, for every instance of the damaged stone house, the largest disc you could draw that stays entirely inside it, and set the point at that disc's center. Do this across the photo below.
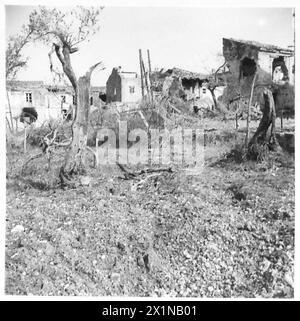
(41, 102)
(123, 86)
(275, 66)
(188, 85)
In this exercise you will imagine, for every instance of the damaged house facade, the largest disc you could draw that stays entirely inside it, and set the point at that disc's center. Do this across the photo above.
(42, 101)
(273, 64)
(123, 86)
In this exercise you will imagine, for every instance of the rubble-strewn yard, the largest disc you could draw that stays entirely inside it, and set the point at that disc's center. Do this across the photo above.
(226, 232)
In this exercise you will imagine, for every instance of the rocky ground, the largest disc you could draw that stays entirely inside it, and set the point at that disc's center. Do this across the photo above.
(226, 232)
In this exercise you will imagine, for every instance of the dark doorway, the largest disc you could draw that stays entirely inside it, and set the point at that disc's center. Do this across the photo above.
(279, 70)
(102, 96)
(247, 67)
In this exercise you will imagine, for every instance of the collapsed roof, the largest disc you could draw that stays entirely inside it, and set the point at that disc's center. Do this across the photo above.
(181, 73)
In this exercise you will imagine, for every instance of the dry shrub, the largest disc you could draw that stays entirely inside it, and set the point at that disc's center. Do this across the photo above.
(237, 154)
(258, 152)
(215, 137)
(255, 152)
(109, 118)
(36, 135)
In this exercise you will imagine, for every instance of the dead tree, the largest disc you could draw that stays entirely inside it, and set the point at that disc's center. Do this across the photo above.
(64, 31)
(262, 140)
(48, 144)
(76, 157)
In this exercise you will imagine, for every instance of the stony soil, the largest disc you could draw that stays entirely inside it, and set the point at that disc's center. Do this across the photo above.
(226, 232)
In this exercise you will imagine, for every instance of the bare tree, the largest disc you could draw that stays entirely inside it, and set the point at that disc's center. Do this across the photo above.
(213, 80)
(213, 83)
(63, 31)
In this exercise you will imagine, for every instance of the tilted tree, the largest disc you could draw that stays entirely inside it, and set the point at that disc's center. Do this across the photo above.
(63, 31)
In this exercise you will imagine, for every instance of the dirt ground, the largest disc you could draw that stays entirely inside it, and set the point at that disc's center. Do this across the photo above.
(226, 232)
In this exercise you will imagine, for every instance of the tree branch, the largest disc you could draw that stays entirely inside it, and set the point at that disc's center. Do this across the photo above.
(50, 56)
(59, 54)
(219, 69)
(92, 68)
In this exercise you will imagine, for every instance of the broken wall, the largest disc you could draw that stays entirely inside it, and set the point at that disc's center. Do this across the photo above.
(113, 87)
(273, 69)
(123, 87)
(172, 87)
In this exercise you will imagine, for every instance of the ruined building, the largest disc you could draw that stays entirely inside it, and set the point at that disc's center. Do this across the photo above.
(179, 82)
(242, 57)
(274, 65)
(123, 86)
(190, 86)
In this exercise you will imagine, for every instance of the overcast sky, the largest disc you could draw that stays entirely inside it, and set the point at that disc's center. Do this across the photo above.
(188, 38)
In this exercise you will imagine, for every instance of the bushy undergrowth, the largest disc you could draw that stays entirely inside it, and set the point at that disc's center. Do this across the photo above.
(36, 135)
(258, 152)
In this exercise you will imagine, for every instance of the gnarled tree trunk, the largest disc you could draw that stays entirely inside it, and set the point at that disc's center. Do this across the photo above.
(262, 139)
(75, 157)
(74, 162)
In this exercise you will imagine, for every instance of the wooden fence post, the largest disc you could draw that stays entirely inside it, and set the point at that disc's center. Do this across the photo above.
(236, 116)
(249, 110)
(150, 71)
(141, 68)
(10, 113)
(25, 137)
(146, 80)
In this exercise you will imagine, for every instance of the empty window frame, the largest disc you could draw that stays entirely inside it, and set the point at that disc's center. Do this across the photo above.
(131, 89)
(28, 97)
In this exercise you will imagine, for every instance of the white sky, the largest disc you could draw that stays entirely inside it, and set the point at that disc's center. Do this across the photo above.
(189, 38)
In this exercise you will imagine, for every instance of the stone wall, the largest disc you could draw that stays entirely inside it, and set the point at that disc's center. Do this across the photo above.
(123, 87)
(113, 87)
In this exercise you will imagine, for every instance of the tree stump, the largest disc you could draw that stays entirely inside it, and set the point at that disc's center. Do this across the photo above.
(262, 141)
